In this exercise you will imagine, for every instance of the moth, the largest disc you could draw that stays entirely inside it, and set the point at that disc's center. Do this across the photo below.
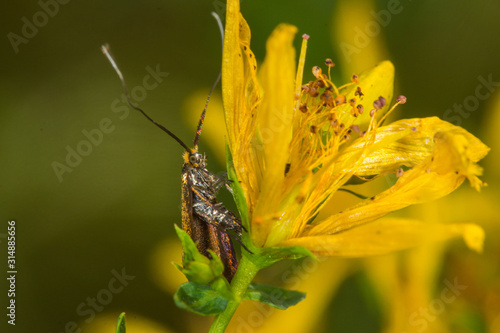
(204, 219)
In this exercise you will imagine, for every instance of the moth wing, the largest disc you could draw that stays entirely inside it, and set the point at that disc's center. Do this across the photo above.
(191, 223)
(204, 232)
(221, 244)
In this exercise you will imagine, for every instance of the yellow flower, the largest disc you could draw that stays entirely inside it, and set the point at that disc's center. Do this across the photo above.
(295, 144)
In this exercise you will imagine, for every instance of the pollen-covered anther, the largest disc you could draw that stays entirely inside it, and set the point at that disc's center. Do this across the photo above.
(360, 108)
(331, 116)
(303, 108)
(352, 102)
(358, 92)
(401, 99)
(379, 103)
(340, 99)
(313, 92)
(355, 128)
(313, 129)
(329, 62)
(355, 78)
(317, 72)
(327, 99)
(319, 83)
(382, 100)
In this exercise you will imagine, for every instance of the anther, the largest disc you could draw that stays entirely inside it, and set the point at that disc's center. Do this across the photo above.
(382, 100)
(340, 99)
(379, 103)
(319, 83)
(317, 72)
(401, 99)
(313, 92)
(358, 92)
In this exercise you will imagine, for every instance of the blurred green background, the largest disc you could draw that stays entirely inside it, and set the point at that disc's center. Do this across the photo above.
(116, 209)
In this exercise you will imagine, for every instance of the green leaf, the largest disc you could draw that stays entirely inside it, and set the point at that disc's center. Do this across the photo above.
(199, 299)
(274, 296)
(195, 266)
(120, 324)
(267, 256)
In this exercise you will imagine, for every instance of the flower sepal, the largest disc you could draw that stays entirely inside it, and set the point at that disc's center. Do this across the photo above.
(195, 266)
(207, 291)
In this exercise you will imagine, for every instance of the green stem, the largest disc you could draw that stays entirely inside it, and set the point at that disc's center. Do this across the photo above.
(244, 275)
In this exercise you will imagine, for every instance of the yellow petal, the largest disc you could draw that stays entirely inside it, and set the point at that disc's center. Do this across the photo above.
(409, 142)
(374, 83)
(274, 119)
(388, 235)
(240, 92)
(307, 185)
(232, 69)
(453, 158)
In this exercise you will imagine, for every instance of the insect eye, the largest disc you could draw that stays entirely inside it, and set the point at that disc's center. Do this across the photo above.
(193, 159)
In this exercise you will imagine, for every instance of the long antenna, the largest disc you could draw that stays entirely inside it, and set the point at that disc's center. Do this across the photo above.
(219, 23)
(202, 117)
(105, 50)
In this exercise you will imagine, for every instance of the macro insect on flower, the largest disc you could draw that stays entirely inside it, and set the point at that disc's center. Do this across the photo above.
(292, 145)
(204, 219)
